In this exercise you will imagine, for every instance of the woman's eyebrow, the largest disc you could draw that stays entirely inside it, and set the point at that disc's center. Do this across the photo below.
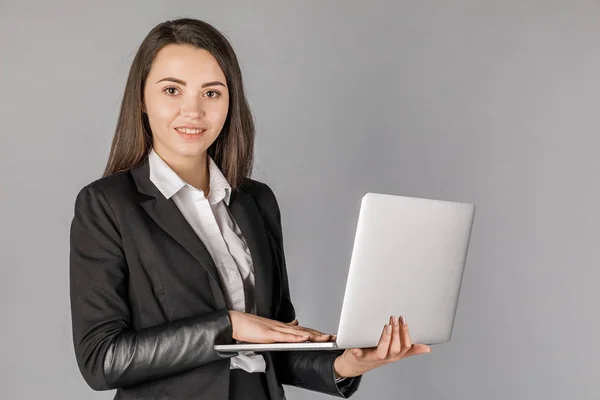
(183, 83)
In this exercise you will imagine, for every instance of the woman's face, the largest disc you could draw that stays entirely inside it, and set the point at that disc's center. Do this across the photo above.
(186, 99)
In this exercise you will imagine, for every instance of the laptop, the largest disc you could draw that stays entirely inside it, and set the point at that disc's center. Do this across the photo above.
(408, 258)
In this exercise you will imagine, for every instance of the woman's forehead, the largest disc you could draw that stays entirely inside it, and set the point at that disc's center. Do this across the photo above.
(190, 64)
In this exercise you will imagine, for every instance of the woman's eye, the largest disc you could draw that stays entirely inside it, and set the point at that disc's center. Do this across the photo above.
(211, 94)
(170, 90)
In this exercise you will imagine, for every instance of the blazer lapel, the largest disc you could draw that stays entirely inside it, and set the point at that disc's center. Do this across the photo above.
(168, 216)
(249, 220)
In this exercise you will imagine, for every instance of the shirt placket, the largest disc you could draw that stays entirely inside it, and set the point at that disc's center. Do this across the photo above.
(228, 270)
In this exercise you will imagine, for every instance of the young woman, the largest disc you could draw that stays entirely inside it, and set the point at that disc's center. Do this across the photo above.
(176, 249)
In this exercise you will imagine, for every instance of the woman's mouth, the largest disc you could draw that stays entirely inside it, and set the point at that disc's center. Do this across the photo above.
(188, 131)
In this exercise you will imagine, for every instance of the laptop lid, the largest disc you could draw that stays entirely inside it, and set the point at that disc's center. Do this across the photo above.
(408, 259)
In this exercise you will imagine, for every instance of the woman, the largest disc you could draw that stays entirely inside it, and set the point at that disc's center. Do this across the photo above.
(176, 249)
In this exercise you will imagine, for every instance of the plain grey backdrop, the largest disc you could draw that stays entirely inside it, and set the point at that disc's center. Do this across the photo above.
(490, 102)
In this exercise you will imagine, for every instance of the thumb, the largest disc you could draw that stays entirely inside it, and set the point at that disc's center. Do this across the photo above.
(420, 349)
(294, 322)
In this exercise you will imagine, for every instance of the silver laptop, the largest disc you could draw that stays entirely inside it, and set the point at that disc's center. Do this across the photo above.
(408, 259)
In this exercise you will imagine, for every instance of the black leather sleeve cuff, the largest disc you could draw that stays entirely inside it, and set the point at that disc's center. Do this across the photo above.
(313, 371)
(167, 349)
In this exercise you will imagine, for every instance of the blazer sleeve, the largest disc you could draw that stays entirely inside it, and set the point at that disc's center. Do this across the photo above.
(109, 352)
(312, 370)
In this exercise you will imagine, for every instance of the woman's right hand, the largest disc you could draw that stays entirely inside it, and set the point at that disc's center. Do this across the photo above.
(251, 328)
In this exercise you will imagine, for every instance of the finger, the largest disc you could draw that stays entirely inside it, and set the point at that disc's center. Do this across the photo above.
(313, 331)
(315, 335)
(358, 353)
(384, 343)
(395, 345)
(292, 331)
(415, 349)
(418, 349)
(404, 337)
(277, 336)
(318, 336)
(294, 328)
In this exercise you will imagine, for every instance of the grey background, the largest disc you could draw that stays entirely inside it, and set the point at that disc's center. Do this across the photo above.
(490, 102)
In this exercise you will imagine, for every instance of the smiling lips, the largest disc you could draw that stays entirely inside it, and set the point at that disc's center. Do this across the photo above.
(190, 130)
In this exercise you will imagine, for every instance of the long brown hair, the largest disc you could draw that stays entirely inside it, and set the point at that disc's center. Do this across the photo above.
(233, 150)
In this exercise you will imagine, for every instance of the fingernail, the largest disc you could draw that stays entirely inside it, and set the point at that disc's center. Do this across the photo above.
(395, 320)
(388, 329)
(403, 321)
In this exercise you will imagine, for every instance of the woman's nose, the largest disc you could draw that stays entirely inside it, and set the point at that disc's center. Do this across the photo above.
(192, 108)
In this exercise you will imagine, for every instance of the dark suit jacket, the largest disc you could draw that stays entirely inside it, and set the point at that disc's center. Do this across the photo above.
(146, 301)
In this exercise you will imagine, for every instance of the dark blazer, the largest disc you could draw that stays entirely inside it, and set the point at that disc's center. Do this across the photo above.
(146, 301)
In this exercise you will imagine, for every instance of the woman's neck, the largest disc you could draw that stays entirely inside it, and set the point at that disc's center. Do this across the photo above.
(193, 170)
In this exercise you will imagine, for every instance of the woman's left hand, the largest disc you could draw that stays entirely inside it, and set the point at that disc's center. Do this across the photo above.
(394, 344)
